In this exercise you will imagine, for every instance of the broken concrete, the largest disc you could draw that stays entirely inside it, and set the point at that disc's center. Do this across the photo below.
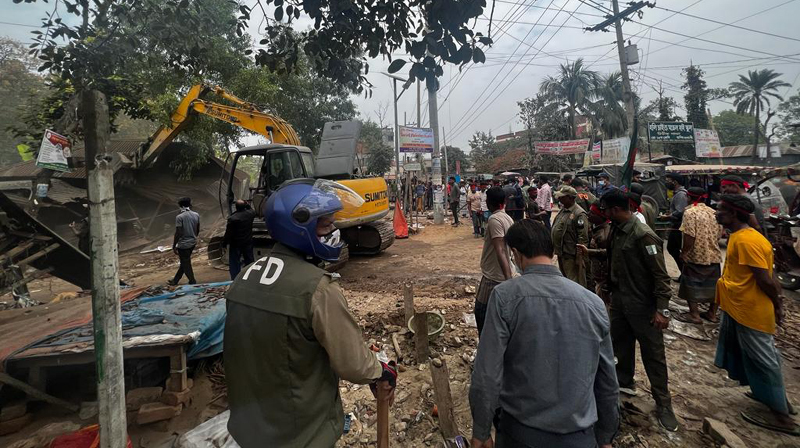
(721, 433)
(135, 398)
(156, 412)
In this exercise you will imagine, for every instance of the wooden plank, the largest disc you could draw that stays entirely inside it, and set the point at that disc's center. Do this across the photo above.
(177, 370)
(443, 398)
(38, 255)
(16, 251)
(421, 337)
(36, 358)
(408, 301)
(36, 393)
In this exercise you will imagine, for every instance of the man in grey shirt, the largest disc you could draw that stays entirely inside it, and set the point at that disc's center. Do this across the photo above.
(545, 358)
(187, 228)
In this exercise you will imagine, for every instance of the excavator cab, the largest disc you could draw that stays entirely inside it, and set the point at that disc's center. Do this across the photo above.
(275, 165)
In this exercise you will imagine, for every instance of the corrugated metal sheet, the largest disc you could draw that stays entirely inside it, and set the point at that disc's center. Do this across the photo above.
(747, 150)
(29, 170)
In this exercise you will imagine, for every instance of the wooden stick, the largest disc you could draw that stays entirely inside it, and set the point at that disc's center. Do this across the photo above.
(36, 393)
(396, 345)
(408, 301)
(383, 415)
(421, 337)
(444, 401)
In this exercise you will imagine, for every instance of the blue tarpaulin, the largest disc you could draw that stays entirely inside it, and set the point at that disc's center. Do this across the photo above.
(186, 310)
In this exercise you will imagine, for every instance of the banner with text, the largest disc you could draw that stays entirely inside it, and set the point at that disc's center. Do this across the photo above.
(706, 143)
(670, 131)
(54, 152)
(559, 148)
(419, 140)
(616, 150)
(592, 157)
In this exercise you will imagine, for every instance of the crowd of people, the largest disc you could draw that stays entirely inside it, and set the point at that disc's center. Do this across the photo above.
(557, 340)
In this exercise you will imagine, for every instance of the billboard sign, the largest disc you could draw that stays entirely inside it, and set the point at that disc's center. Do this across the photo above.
(706, 143)
(616, 150)
(416, 140)
(670, 131)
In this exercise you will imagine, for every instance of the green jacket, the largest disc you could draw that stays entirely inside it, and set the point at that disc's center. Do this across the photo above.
(638, 279)
(570, 228)
(585, 199)
(289, 337)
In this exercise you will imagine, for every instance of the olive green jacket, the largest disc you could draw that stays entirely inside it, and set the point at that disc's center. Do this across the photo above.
(570, 228)
(289, 337)
(638, 279)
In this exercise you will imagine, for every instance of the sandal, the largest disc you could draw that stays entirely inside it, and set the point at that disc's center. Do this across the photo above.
(792, 431)
(792, 410)
(687, 318)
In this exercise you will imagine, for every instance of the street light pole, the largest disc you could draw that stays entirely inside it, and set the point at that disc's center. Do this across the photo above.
(396, 145)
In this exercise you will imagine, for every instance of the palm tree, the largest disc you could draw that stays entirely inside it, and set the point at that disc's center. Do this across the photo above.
(607, 111)
(573, 87)
(751, 92)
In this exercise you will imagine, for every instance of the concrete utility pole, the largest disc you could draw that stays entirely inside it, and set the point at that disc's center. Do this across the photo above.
(436, 164)
(396, 145)
(627, 94)
(106, 313)
(617, 19)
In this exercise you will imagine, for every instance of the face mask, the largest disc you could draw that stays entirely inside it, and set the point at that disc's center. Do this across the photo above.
(332, 239)
(601, 182)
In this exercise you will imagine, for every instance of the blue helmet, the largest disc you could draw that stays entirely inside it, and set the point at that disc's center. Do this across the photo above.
(292, 212)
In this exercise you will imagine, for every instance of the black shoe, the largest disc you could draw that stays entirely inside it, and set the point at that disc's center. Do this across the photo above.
(667, 418)
(172, 283)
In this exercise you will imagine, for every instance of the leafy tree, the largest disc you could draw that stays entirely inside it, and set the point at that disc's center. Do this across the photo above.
(379, 154)
(734, 129)
(20, 86)
(454, 154)
(573, 88)
(608, 112)
(752, 92)
(483, 149)
(346, 31)
(790, 115)
(696, 96)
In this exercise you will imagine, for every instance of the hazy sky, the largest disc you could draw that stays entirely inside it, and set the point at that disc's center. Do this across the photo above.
(484, 97)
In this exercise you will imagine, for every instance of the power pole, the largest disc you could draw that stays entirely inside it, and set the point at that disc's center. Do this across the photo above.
(106, 313)
(419, 105)
(616, 19)
(436, 164)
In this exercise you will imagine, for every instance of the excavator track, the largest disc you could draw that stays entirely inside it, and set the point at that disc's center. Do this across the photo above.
(370, 238)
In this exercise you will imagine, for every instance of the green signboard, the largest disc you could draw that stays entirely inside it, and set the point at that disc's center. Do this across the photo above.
(670, 131)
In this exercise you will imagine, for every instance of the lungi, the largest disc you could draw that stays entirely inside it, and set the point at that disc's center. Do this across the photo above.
(751, 358)
(699, 282)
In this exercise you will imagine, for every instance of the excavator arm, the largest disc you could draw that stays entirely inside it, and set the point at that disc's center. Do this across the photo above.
(243, 114)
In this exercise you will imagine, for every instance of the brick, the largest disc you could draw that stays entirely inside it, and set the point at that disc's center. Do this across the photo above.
(156, 412)
(176, 398)
(721, 433)
(135, 398)
(13, 410)
(14, 425)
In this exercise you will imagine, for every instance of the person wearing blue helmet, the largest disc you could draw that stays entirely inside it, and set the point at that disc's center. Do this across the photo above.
(289, 335)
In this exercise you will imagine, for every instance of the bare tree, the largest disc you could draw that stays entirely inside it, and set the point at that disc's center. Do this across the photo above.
(381, 112)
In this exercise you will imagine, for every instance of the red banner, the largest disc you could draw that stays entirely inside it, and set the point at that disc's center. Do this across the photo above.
(565, 147)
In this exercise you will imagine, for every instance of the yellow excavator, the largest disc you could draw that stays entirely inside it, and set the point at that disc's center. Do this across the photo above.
(284, 158)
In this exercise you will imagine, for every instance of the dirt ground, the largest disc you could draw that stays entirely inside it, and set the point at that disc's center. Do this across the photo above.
(442, 264)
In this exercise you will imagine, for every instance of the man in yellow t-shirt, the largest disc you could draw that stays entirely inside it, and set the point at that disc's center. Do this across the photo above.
(751, 304)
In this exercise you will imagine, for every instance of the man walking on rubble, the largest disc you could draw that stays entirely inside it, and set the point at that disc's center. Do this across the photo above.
(554, 388)
(187, 230)
(289, 335)
(239, 237)
(495, 257)
(752, 307)
(640, 292)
